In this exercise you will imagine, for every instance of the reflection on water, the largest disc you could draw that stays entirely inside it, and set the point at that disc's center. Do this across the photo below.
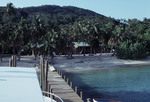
(130, 84)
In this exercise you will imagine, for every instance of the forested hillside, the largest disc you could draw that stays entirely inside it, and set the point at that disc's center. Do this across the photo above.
(49, 28)
(65, 10)
(66, 14)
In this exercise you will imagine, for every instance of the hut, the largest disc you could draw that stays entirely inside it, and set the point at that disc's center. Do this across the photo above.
(80, 47)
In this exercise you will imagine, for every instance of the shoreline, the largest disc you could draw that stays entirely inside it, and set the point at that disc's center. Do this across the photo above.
(96, 62)
(80, 62)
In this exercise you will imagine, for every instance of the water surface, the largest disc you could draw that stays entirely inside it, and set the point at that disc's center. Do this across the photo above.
(126, 84)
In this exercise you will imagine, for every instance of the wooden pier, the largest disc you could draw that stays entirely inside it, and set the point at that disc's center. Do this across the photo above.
(52, 81)
(61, 88)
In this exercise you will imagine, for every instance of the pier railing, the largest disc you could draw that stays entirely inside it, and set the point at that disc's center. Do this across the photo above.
(52, 95)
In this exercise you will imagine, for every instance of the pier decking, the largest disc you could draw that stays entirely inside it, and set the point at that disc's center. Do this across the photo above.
(61, 88)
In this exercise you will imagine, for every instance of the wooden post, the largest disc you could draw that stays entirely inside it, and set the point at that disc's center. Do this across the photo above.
(76, 89)
(88, 100)
(59, 72)
(15, 58)
(67, 80)
(81, 95)
(10, 63)
(46, 75)
(64, 77)
(12, 57)
(71, 84)
(43, 77)
(61, 75)
(41, 71)
(49, 90)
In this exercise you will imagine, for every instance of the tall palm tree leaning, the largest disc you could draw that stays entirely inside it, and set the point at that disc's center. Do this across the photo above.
(37, 32)
(10, 10)
(10, 14)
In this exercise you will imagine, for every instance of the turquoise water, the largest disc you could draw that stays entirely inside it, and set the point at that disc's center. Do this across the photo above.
(126, 84)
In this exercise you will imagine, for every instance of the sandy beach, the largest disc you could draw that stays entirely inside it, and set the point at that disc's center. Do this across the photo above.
(79, 62)
(25, 61)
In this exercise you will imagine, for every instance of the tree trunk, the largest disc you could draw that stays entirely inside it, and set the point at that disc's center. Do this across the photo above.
(19, 52)
(84, 51)
(35, 55)
(1, 55)
(115, 47)
(52, 59)
(90, 50)
(32, 52)
(94, 51)
(70, 55)
(116, 44)
(14, 50)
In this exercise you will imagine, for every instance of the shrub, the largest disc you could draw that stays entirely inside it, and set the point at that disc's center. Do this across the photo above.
(129, 50)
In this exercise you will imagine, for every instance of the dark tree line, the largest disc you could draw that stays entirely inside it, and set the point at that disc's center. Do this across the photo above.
(45, 29)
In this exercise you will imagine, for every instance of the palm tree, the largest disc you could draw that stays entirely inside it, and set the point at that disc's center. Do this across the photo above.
(70, 37)
(92, 33)
(37, 32)
(10, 12)
(64, 39)
(83, 32)
(119, 29)
(11, 24)
(107, 31)
(22, 30)
(49, 41)
(116, 37)
(84, 36)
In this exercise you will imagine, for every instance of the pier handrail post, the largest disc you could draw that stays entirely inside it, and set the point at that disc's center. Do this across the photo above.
(88, 100)
(67, 80)
(61, 75)
(58, 72)
(15, 58)
(10, 63)
(81, 95)
(64, 77)
(71, 84)
(46, 75)
(12, 57)
(49, 89)
(76, 89)
(41, 71)
(52, 94)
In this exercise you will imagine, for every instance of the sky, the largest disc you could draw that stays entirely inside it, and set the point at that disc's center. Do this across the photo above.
(118, 9)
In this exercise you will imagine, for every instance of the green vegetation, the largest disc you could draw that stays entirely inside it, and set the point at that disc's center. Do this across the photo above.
(128, 50)
(45, 29)
(135, 42)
